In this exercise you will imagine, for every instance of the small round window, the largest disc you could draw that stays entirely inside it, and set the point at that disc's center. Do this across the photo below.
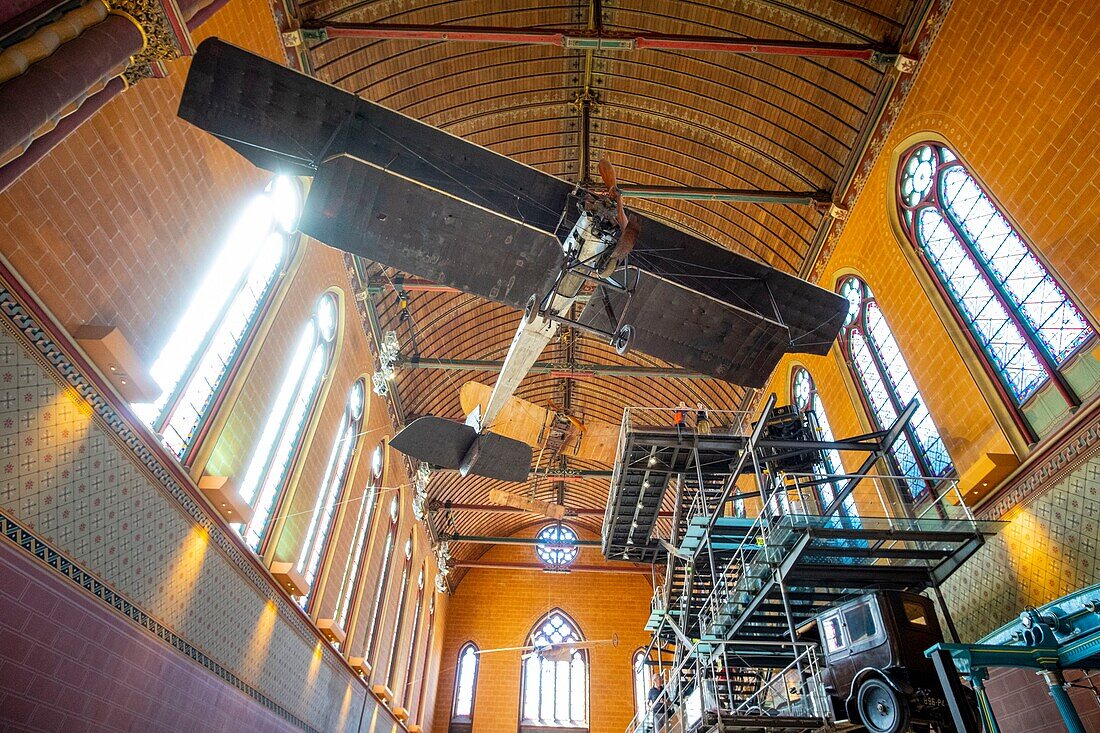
(556, 545)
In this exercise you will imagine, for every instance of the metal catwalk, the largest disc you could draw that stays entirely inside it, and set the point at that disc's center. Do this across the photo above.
(763, 538)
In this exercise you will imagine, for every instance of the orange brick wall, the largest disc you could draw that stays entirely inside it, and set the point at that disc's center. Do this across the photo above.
(1007, 85)
(497, 608)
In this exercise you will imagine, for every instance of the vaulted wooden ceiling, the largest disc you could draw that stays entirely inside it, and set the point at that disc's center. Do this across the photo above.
(678, 117)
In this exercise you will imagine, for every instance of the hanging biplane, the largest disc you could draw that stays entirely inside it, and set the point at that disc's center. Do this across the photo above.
(409, 196)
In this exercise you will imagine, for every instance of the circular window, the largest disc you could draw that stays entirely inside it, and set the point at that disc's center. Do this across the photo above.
(803, 389)
(556, 545)
(852, 290)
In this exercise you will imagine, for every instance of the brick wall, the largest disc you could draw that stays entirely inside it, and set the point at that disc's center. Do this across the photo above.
(118, 225)
(497, 608)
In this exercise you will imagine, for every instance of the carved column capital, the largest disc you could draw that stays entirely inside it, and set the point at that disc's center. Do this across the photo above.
(166, 35)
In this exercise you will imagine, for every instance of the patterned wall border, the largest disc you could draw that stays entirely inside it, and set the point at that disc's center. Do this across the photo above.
(1064, 454)
(51, 346)
(53, 559)
(853, 189)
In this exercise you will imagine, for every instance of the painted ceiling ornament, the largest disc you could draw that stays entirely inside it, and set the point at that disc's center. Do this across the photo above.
(420, 503)
(389, 352)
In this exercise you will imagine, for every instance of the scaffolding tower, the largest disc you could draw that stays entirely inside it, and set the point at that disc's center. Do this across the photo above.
(762, 539)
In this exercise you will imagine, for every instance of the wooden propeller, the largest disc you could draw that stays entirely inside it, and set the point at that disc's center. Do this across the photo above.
(611, 180)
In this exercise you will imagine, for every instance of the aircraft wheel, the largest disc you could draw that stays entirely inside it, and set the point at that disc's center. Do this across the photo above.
(531, 309)
(623, 340)
(881, 708)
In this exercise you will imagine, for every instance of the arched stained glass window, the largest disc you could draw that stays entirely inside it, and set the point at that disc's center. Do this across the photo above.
(418, 607)
(332, 488)
(349, 582)
(555, 686)
(462, 711)
(804, 397)
(383, 580)
(399, 620)
(887, 387)
(1021, 319)
(556, 546)
(641, 684)
(265, 478)
(203, 351)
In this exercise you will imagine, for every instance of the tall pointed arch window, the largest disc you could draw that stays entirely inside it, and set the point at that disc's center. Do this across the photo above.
(805, 399)
(332, 488)
(399, 620)
(887, 386)
(383, 580)
(462, 709)
(641, 684)
(1013, 309)
(349, 581)
(418, 713)
(203, 351)
(555, 688)
(267, 472)
(414, 637)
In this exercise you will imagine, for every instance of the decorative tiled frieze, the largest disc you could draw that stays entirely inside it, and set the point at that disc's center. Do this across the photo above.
(39, 549)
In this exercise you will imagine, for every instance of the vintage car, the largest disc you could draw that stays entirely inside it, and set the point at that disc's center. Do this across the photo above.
(873, 667)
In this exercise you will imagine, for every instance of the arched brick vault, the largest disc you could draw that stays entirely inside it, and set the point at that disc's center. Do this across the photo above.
(680, 118)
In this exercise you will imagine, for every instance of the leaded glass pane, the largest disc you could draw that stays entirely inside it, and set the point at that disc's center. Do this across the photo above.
(194, 365)
(464, 686)
(556, 545)
(555, 691)
(888, 386)
(332, 487)
(993, 277)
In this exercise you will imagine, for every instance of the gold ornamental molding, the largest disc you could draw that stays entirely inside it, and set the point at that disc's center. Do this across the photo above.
(166, 36)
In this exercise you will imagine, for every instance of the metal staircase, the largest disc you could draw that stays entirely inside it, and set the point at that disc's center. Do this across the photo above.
(737, 589)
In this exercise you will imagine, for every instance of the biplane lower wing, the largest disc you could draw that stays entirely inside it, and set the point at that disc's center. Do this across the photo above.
(689, 328)
(364, 210)
(454, 445)
(812, 314)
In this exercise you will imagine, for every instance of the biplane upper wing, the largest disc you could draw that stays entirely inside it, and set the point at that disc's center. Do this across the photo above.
(691, 329)
(714, 311)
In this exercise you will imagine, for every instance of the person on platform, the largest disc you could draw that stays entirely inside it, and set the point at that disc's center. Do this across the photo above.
(678, 420)
(702, 419)
(658, 703)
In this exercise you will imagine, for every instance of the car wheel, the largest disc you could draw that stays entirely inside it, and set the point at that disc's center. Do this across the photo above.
(881, 708)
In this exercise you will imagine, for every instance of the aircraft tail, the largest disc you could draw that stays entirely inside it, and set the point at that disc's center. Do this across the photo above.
(454, 445)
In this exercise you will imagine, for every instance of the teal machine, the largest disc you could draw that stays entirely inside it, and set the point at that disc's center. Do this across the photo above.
(1063, 634)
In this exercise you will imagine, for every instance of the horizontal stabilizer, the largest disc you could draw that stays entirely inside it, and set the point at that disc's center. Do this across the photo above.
(457, 446)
